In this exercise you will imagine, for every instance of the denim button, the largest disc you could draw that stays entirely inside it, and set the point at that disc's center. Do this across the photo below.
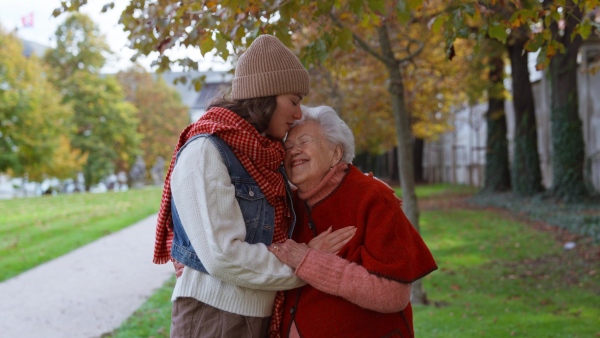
(251, 193)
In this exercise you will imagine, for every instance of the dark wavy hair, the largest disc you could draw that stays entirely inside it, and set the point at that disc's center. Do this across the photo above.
(257, 111)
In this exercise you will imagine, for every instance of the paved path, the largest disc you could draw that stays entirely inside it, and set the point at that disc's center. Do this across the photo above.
(87, 292)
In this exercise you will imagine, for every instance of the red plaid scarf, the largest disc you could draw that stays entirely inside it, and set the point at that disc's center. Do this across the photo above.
(277, 315)
(259, 155)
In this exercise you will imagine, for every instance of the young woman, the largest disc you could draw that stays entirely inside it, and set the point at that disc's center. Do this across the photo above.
(226, 199)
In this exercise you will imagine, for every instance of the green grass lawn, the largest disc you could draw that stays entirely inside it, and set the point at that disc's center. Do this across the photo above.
(498, 278)
(36, 230)
(501, 278)
(438, 190)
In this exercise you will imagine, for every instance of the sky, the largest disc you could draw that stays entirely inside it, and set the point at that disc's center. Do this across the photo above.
(44, 26)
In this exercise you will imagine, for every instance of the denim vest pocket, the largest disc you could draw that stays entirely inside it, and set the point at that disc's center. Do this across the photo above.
(251, 200)
(182, 249)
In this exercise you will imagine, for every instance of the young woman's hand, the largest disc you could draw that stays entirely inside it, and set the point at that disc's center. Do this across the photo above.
(178, 268)
(332, 241)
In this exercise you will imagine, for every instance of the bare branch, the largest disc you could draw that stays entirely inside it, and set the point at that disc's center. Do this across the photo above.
(362, 44)
(415, 53)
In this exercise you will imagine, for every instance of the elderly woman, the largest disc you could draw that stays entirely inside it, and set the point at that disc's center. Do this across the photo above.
(364, 289)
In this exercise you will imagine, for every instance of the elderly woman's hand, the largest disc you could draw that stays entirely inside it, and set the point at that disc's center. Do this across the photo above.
(289, 252)
(332, 241)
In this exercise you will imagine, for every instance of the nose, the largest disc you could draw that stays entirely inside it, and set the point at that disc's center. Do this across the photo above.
(294, 150)
(297, 113)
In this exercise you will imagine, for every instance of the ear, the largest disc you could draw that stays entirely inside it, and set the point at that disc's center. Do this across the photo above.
(338, 153)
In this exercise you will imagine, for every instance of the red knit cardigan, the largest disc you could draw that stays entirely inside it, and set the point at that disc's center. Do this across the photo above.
(385, 243)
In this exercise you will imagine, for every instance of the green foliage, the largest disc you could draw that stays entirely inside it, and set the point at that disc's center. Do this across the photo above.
(79, 47)
(499, 19)
(320, 31)
(501, 278)
(498, 32)
(32, 117)
(161, 114)
(105, 125)
(36, 230)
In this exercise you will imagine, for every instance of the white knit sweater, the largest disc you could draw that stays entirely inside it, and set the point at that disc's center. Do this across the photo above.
(243, 277)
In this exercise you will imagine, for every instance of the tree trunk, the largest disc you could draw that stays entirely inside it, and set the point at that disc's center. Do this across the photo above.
(418, 148)
(568, 148)
(393, 166)
(497, 173)
(526, 174)
(405, 153)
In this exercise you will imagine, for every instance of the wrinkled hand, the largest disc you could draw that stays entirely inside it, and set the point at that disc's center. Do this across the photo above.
(178, 268)
(332, 241)
(289, 252)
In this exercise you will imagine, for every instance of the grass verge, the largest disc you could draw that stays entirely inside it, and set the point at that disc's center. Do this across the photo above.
(153, 319)
(36, 230)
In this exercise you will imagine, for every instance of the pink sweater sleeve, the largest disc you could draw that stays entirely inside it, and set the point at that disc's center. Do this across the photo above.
(339, 277)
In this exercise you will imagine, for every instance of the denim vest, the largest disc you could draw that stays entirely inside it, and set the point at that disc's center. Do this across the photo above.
(259, 215)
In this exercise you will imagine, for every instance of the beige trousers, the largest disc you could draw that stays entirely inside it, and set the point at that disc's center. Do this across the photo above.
(193, 319)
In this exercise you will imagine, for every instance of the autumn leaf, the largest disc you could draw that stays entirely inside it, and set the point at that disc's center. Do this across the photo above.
(498, 32)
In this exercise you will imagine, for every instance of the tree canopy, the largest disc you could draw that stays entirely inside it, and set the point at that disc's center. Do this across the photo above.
(105, 124)
(161, 114)
(33, 119)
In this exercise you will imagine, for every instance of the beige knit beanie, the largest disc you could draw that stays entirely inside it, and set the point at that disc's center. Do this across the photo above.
(268, 68)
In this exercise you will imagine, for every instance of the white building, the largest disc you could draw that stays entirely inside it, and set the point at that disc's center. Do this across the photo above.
(215, 83)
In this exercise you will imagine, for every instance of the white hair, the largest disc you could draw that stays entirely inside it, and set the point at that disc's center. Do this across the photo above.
(332, 126)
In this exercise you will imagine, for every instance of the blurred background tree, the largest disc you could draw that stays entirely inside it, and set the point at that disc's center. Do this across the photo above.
(160, 112)
(105, 124)
(555, 30)
(35, 124)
